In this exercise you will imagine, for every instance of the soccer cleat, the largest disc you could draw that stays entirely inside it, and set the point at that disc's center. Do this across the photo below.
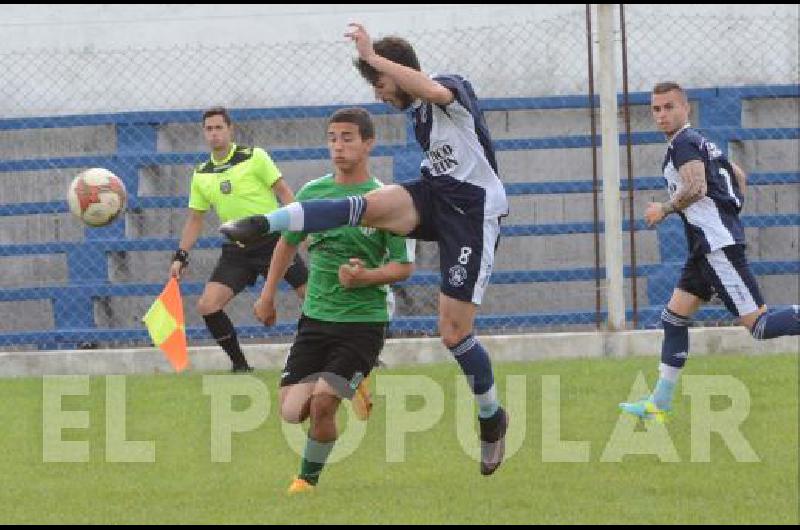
(299, 485)
(241, 369)
(247, 230)
(362, 400)
(645, 409)
(493, 441)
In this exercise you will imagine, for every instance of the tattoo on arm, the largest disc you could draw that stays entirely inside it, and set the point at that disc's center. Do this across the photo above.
(693, 185)
(667, 208)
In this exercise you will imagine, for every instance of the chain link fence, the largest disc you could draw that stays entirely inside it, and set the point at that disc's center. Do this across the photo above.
(137, 113)
(742, 75)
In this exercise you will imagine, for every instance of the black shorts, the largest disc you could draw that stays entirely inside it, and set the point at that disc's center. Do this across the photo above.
(342, 353)
(239, 267)
(467, 240)
(724, 272)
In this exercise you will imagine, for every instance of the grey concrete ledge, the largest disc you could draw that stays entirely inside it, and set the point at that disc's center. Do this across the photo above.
(398, 352)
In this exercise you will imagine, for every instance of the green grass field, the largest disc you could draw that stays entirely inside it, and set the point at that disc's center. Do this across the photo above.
(437, 482)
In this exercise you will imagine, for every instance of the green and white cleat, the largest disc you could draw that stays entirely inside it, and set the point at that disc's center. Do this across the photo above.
(645, 409)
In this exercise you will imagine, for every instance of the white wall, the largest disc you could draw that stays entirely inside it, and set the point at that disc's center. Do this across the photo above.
(75, 59)
(104, 26)
(115, 26)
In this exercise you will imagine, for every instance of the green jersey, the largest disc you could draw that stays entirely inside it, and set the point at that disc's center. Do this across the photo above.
(326, 299)
(240, 185)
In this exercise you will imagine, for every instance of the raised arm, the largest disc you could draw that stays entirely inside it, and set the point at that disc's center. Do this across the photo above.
(414, 82)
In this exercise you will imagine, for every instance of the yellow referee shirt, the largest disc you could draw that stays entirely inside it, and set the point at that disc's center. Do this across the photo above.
(240, 185)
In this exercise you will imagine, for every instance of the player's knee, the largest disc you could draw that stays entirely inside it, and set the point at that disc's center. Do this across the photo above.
(323, 406)
(453, 338)
(750, 320)
(452, 334)
(390, 208)
(755, 325)
(372, 211)
(206, 307)
(292, 414)
(294, 406)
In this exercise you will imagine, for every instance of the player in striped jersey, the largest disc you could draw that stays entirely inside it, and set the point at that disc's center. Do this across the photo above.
(707, 191)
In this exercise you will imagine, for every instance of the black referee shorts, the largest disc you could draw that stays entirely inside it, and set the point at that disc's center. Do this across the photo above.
(239, 267)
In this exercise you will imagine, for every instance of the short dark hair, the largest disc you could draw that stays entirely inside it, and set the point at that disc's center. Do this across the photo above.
(668, 86)
(396, 49)
(357, 116)
(217, 111)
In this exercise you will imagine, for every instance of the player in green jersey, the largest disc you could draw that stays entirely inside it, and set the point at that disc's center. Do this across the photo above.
(348, 301)
(236, 181)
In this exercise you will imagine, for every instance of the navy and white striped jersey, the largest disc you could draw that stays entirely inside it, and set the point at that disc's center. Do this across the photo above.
(457, 146)
(712, 222)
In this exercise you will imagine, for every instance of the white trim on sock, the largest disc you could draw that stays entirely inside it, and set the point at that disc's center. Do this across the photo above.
(487, 398)
(467, 344)
(296, 216)
(356, 209)
(670, 373)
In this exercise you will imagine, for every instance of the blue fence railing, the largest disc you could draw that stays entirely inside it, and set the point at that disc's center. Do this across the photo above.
(136, 148)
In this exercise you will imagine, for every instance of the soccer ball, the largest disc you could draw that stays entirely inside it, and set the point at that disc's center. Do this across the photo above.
(96, 196)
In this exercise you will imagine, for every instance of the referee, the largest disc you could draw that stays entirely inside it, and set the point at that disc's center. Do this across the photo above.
(237, 181)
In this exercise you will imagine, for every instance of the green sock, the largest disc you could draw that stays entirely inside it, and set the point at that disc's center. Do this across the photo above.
(314, 458)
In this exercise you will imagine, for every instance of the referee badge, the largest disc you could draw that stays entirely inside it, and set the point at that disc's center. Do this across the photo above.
(225, 187)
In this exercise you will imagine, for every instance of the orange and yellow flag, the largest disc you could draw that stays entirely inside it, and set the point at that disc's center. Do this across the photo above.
(165, 323)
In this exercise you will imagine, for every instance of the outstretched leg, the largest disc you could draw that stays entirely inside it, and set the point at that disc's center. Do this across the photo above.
(389, 208)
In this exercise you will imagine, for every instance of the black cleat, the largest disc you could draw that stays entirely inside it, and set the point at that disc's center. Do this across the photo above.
(247, 230)
(493, 441)
(241, 369)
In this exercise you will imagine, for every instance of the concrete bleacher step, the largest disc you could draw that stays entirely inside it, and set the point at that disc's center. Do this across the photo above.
(131, 265)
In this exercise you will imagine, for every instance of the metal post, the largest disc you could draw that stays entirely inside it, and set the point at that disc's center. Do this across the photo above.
(595, 176)
(629, 159)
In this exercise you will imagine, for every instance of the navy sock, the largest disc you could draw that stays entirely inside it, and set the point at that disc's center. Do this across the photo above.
(777, 324)
(318, 215)
(674, 351)
(675, 348)
(477, 367)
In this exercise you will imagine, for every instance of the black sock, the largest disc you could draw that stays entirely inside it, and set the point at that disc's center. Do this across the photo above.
(222, 330)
